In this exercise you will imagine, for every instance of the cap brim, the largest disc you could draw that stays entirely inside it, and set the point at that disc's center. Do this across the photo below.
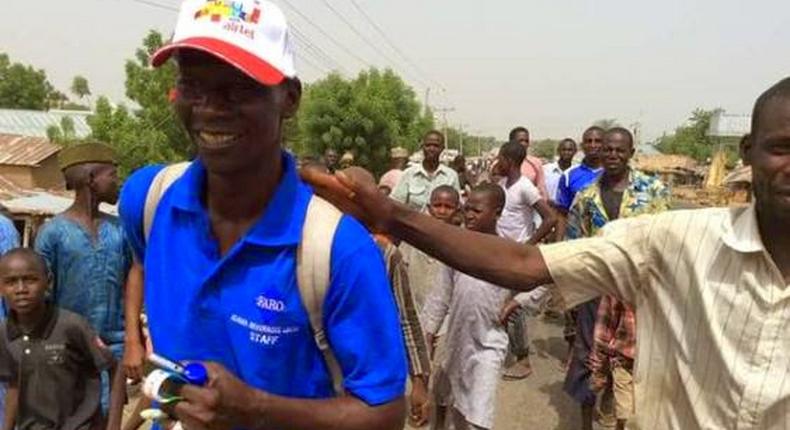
(250, 64)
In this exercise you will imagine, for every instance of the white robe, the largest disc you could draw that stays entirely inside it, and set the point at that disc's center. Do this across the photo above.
(476, 342)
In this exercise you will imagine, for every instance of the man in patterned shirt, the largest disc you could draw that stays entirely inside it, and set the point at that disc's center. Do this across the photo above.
(621, 192)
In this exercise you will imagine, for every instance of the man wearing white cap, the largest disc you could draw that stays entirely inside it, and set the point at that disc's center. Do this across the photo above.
(398, 159)
(220, 247)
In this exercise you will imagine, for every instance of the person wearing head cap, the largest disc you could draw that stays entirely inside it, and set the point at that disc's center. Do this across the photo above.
(347, 160)
(86, 250)
(398, 159)
(219, 249)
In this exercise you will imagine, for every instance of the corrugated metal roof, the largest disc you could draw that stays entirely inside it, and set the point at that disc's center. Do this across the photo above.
(25, 151)
(44, 203)
(35, 123)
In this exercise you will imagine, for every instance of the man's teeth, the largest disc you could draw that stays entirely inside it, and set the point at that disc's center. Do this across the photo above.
(215, 138)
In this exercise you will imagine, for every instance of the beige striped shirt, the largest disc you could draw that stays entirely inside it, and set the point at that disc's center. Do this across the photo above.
(713, 340)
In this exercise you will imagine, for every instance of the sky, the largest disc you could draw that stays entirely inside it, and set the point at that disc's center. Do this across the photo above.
(555, 66)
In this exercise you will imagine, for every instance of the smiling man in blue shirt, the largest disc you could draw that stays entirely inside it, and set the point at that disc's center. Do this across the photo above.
(220, 261)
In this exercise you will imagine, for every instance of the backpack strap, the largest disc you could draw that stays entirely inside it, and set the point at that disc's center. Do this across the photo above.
(313, 272)
(162, 181)
(314, 275)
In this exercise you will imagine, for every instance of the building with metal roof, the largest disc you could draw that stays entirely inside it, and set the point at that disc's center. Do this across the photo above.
(16, 150)
(30, 162)
(35, 123)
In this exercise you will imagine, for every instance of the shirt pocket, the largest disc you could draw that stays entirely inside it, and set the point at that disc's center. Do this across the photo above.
(416, 189)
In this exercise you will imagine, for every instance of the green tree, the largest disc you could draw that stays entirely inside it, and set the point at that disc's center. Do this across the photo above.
(546, 148)
(64, 133)
(23, 87)
(150, 133)
(692, 139)
(80, 87)
(366, 116)
(56, 100)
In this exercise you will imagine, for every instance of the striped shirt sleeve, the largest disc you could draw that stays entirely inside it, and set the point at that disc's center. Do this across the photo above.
(614, 263)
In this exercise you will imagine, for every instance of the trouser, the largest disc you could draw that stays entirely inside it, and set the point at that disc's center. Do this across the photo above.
(518, 337)
(623, 390)
(106, 381)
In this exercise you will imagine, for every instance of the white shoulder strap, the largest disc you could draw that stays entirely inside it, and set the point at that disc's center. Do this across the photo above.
(313, 275)
(162, 181)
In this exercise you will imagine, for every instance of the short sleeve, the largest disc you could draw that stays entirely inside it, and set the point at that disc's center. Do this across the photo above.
(401, 191)
(573, 224)
(615, 263)
(8, 366)
(10, 236)
(362, 320)
(132, 206)
(46, 245)
(456, 180)
(564, 194)
(530, 193)
(90, 345)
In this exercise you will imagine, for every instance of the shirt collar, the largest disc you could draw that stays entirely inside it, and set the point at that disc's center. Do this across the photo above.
(439, 170)
(41, 331)
(281, 223)
(555, 167)
(741, 231)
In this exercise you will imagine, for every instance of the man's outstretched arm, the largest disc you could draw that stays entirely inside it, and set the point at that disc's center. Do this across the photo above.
(487, 257)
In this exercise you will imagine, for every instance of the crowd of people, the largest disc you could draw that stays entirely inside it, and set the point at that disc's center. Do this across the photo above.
(302, 318)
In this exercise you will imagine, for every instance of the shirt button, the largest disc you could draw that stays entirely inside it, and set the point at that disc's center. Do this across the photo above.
(25, 338)
(27, 351)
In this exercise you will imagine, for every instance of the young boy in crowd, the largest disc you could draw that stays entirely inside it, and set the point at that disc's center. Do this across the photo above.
(413, 334)
(476, 342)
(445, 205)
(522, 201)
(422, 270)
(50, 358)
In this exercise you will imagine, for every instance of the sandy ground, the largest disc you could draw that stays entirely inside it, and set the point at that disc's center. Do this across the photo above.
(538, 402)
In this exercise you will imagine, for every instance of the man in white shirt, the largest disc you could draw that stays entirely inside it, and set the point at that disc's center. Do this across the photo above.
(522, 201)
(418, 181)
(553, 172)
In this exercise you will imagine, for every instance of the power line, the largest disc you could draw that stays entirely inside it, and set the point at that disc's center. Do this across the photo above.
(316, 50)
(392, 45)
(326, 34)
(157, 5)
(365, 39)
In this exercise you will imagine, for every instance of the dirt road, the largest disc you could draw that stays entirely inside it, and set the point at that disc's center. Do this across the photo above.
(539, 402)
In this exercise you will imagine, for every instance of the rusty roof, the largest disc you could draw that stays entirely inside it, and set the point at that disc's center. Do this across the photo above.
(665, 163)
(25, 151)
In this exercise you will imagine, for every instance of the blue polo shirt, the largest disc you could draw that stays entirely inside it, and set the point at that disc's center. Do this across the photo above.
(574, 180)
(244, 310)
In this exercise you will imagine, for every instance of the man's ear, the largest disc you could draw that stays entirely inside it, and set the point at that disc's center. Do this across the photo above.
(293, 96)
(745, 149)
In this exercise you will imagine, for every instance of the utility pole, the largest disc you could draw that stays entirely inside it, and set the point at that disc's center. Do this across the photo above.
(427, 98)
(443, 111)
(461, 138)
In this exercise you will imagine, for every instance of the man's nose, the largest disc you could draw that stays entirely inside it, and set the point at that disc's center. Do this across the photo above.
(19, 286)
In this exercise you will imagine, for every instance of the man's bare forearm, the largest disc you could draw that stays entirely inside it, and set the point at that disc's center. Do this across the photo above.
(133, 304)
(488, 257)
(11, 407)
(270, 412)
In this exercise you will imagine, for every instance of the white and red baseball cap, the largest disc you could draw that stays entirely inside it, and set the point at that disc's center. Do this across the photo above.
(251, 35)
